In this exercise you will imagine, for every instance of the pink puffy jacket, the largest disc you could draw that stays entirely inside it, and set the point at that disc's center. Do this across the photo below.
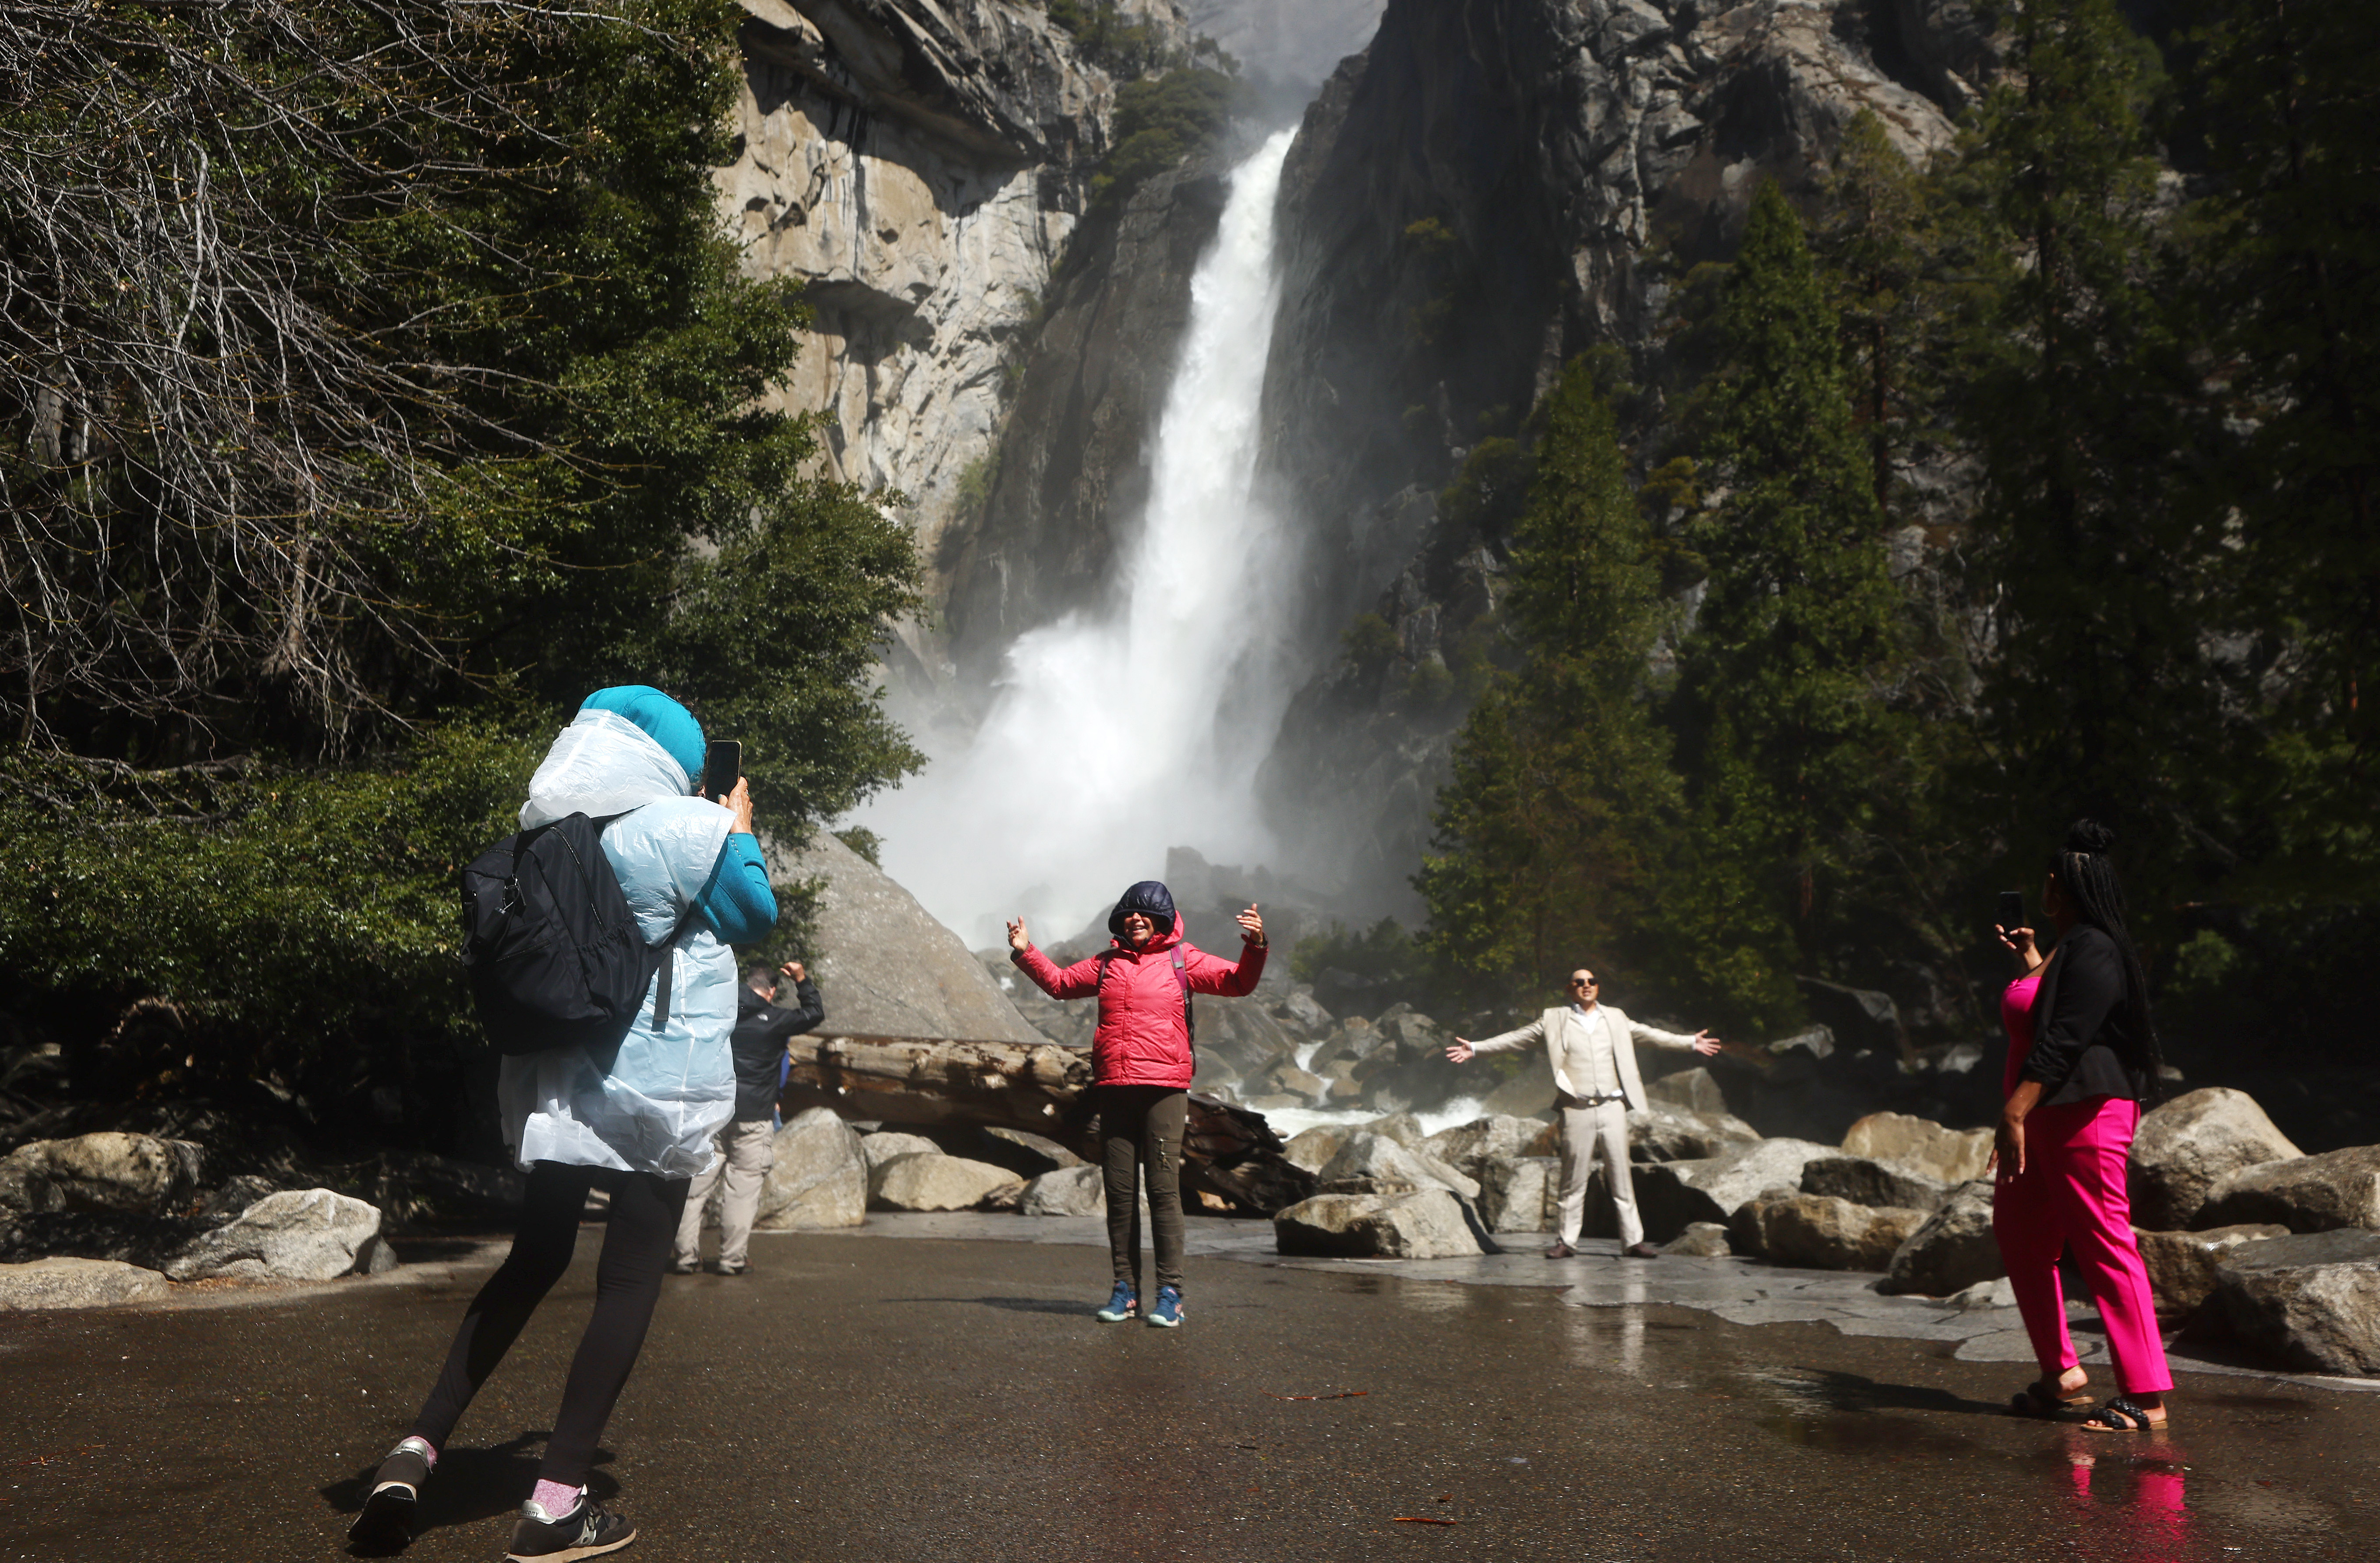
(1144, 1032)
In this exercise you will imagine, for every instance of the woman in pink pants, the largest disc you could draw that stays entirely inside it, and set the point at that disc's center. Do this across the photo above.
(2082, 1054)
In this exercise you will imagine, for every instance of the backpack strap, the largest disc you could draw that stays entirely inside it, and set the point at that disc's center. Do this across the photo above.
(669, 965)
(1182, 976)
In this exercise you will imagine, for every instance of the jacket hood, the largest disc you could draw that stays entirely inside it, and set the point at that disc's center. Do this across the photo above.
(601, 765)
(1152, 896)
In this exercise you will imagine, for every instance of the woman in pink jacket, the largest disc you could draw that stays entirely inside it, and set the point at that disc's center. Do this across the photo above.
(1141, 1067)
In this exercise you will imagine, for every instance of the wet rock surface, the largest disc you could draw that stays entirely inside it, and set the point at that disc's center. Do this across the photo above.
(2187, 1147)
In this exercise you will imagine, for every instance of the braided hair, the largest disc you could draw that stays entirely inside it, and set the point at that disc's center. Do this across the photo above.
(2087, 875)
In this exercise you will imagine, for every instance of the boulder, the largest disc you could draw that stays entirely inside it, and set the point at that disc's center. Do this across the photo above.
(2182, 1266)
(1402, 1128)
(884, 1146)
(126, 1174)
(1984, 1294)
(819, 1178)
(1470, 1147)
(1072, 1191)
(1026, 1155)
(1704, 1240)
(1821, 1232)
(1882, 1185)
(1743, 1229)
(1924, 1147)
(886, 967)
(1520, 1195)
(76, 1283)
(2306, 1194)
(1529, 1093)
(1673, 1195)
(1287, 1079)
(2311, 1301)
(1390, 1167)
(1312, 1149)
(1665, 1133)
(1351, 1041)
(2187, 1146)
(1691, 1091)
(297, 1235)
(1299, 1009)
(937, 1182)
(1952, 1251)
(1424, 1224)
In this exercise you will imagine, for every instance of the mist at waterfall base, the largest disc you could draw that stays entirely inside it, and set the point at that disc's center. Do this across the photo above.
(1117, 733)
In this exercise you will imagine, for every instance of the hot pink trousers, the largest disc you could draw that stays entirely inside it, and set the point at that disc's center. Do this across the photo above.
(2071, 1195)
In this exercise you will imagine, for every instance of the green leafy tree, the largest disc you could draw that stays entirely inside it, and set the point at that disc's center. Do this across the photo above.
(1562, 800)
(1784, 729)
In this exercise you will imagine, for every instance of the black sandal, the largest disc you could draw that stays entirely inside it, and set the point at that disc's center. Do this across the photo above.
(2120, 1414)
(2042, 1400)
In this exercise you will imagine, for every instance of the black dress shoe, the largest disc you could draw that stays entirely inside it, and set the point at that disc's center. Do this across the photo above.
(1562, 1251)
(1640, 1251)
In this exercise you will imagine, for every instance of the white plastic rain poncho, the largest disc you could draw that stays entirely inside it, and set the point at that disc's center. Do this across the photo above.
(666, 1093)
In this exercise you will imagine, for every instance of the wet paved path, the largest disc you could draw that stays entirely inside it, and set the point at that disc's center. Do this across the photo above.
(914, 1398)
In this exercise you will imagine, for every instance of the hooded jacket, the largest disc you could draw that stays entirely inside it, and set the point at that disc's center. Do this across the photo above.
(763, 1029)
(1142, 1037)
(668, 1089)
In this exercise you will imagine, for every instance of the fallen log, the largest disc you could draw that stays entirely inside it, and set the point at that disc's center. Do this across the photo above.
(1227, 1152)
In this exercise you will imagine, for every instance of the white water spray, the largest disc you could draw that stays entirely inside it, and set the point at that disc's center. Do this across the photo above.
(1115, 735)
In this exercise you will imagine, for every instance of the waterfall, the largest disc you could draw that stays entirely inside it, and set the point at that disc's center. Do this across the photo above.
(1115, 734)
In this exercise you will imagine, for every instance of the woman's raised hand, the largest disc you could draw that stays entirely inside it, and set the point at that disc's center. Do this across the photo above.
(739, 803)
(1016, 935)
(2020, 941)
(1252, 925)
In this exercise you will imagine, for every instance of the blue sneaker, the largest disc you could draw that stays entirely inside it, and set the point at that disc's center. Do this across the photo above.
(1167, 1314)
(1122, 1303)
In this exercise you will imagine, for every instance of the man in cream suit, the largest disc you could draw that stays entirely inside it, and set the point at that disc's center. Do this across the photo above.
(1596, 1083)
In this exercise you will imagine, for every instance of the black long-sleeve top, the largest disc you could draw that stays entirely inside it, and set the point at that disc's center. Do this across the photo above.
(2083, 1044)
(759, 1043)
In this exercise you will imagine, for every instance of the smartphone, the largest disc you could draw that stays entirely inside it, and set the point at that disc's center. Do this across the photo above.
(722, 767)
(2012, 909)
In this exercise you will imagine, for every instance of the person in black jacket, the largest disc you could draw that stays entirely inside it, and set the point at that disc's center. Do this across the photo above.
(747, 1145)
(2082, 1059)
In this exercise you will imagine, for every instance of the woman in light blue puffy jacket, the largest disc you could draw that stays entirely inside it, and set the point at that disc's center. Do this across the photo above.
(693, 875)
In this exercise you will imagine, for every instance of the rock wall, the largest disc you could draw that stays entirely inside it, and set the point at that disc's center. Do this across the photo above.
(1472, 202)
(921, 163)
(1073, 468)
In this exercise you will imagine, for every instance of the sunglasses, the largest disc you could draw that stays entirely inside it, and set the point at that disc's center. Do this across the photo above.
(1582, 982)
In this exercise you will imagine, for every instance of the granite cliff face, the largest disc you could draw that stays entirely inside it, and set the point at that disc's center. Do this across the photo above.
(921, 164)
(1474, 200)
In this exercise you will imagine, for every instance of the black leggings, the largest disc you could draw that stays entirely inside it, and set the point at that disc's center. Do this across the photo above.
(644, 1217)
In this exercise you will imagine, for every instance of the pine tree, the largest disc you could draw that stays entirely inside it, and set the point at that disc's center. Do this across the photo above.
(2095, 530)
(1562, 800)
(1783, 729)
(2292, 122)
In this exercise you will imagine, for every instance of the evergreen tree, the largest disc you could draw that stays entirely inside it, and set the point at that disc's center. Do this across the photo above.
(1561, 801)
(2095, 528)
(1783, 729)
(2291, 118)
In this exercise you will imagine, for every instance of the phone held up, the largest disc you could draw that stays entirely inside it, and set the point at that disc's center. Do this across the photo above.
(722, 767)
(2012, 909)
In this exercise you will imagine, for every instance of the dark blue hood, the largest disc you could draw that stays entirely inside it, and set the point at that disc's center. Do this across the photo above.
(1149, 896)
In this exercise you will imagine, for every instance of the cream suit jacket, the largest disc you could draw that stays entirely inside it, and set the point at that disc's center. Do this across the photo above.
(1569, 1038)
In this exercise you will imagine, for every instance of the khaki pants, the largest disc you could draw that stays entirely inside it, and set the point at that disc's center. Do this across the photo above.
(1588, 1130)
(748, 1149)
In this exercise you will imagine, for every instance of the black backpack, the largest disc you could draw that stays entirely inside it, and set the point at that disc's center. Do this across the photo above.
(552, 953)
